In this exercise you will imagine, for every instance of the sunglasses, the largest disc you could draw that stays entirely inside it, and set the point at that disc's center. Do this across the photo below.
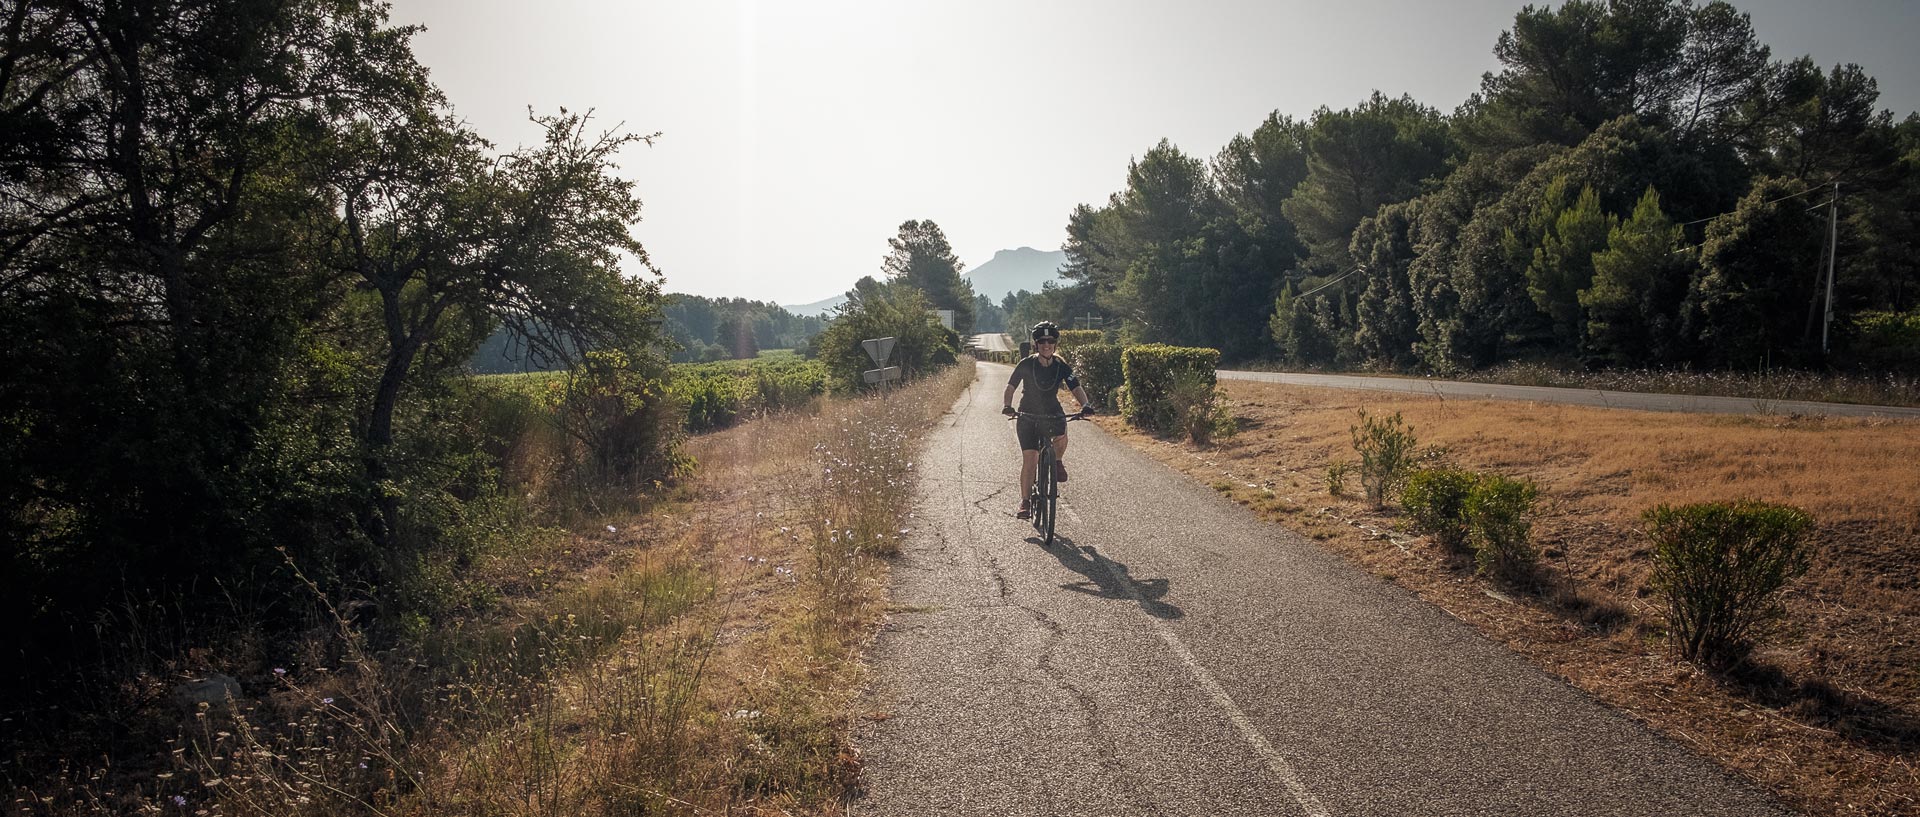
(1048, 342)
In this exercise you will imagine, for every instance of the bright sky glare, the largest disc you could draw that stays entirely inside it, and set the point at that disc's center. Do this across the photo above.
(796, 137)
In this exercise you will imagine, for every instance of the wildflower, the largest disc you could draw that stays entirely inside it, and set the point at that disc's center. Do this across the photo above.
(180, 801)
(279, 670)
(327, 701)
(612, 529)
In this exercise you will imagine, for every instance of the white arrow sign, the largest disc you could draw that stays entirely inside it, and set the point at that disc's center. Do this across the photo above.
(878, 349)
(877, 375)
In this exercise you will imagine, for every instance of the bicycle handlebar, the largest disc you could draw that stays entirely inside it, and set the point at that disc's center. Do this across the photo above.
(1078, 415)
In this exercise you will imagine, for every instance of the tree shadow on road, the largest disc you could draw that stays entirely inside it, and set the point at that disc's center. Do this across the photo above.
(1109, 579)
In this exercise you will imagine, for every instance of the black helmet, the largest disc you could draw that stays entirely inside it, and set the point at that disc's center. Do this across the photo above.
(1045, 330)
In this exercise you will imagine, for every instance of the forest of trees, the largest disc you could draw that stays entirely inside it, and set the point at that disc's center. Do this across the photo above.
(734, 328)
(1641, 184)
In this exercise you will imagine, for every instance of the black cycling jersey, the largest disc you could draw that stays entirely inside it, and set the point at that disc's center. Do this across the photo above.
(1040, 384)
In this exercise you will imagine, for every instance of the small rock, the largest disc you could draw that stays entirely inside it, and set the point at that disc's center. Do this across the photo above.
(217, 691)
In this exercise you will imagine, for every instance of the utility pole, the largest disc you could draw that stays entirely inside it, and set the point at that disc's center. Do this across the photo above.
(1833, 243)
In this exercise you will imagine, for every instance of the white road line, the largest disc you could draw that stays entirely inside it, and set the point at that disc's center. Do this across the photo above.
(1279, 765)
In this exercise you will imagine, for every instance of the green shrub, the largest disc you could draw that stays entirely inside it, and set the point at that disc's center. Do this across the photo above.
(1499, 514)
(1885, 341)
(1198, 411)
(1149, 372)
(1098, 367)
(1436, 502)
(718, 395)
(1386, 448)
(1337, 472)
(628, 423)
(1719, 566)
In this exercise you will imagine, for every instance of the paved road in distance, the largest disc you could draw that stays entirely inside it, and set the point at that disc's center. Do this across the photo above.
(1584, 397)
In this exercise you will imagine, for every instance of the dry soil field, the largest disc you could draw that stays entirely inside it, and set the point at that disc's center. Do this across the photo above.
(1827, 715)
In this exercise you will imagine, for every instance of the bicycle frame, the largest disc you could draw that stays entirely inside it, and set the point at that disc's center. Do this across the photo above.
(1044, 497)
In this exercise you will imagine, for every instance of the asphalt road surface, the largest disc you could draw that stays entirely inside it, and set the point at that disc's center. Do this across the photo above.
(1171, 655)
(996, 342)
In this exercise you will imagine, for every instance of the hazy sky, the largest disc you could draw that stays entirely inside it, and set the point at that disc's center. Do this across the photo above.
(797, 136)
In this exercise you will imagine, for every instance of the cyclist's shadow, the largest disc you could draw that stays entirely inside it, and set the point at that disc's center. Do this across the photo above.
(1109, 579)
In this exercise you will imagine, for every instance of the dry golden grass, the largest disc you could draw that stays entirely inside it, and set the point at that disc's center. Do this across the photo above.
(1828, 718)
(700, 656)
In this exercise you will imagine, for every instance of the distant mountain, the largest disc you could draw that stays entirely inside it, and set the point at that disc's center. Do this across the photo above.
(1014, 270)
(1009, 271)
(817, 307)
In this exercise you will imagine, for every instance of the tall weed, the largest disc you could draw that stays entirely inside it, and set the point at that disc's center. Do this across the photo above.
(1386, 446)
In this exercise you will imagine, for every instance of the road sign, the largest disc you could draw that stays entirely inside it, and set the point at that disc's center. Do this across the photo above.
(879, 349)
(878, 375)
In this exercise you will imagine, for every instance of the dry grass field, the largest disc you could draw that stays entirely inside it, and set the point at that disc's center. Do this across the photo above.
(1827, 714)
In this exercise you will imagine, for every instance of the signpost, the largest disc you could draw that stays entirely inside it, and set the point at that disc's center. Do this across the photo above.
(880, 349)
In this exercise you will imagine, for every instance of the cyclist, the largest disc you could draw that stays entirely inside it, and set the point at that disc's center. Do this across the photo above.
(1039, 377)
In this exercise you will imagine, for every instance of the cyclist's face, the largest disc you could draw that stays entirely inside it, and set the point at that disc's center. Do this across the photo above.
(1046, 347)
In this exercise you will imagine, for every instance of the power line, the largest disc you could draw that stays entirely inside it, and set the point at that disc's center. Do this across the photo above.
(1343, 277)
(1731, 212)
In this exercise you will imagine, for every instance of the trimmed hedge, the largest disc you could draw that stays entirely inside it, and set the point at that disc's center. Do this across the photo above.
(1098, 366)
(1075, 338)
(1149, 373)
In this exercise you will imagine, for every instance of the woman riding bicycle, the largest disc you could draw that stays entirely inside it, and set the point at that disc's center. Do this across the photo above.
(1039, 377)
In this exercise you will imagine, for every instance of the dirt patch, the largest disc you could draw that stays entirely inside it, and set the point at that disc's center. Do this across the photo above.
(1826, 717)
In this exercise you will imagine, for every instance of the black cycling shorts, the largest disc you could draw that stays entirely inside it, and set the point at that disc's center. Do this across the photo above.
(1034, 431)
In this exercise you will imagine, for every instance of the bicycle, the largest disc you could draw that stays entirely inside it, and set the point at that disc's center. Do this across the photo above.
(1042, 500)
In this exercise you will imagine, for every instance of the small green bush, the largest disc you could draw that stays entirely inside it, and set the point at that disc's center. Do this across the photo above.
(1720, 566)
(1337, 472)
(1436, 502)
(1198, 411)
(1885, 341)
(1499, 514)
(1098, 367)
(1149, 371)
(1386, 447)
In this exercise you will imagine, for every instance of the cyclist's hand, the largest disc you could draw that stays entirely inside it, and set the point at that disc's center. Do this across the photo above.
(1088, 411)
(1009, 411)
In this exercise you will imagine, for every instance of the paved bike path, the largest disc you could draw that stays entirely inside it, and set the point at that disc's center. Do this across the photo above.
(1171, 655)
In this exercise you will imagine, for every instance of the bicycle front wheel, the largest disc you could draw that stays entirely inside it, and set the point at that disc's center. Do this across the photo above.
(1049, 495)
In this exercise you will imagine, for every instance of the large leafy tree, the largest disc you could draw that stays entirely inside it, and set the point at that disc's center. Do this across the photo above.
(920, 257)
(1146, 252)
(1386, 329)
(448, 238)
(1383, 151)
(171, 397)
(883, 309)
(1750, 300)
(1562, 265)
(1639, 280)
(1255, 175)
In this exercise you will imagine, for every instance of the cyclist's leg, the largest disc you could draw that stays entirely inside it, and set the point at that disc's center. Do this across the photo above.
(1029, 465)
(1030, 443)
(1060, 455)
